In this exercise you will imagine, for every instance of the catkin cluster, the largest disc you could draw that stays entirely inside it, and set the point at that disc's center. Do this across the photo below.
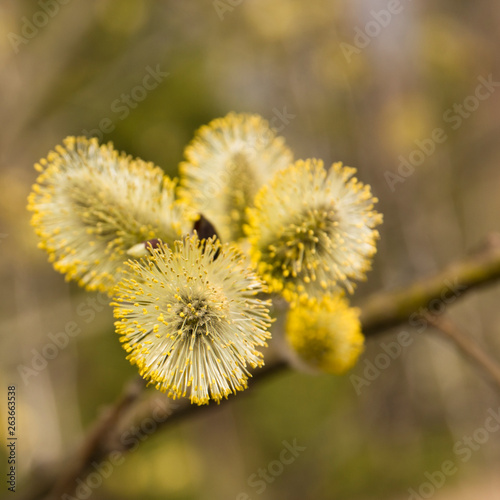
(192, 265)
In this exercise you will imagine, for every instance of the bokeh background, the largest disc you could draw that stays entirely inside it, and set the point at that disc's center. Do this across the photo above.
(286, 60)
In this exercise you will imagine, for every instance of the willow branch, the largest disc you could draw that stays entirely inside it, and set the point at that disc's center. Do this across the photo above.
(384, 310)
(381, 311)
(93, 448)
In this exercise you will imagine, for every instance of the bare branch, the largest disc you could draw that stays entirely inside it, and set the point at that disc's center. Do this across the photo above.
(468, 346)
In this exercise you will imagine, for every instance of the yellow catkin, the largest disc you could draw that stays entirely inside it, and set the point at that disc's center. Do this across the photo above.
(326, 334)
(312, 230)
(225, 165)
(91, 204)
(210, 325)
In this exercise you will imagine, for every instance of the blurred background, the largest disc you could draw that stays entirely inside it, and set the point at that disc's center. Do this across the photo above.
(402, 90)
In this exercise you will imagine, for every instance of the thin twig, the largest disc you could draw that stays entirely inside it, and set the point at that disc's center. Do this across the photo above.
(469, 347)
